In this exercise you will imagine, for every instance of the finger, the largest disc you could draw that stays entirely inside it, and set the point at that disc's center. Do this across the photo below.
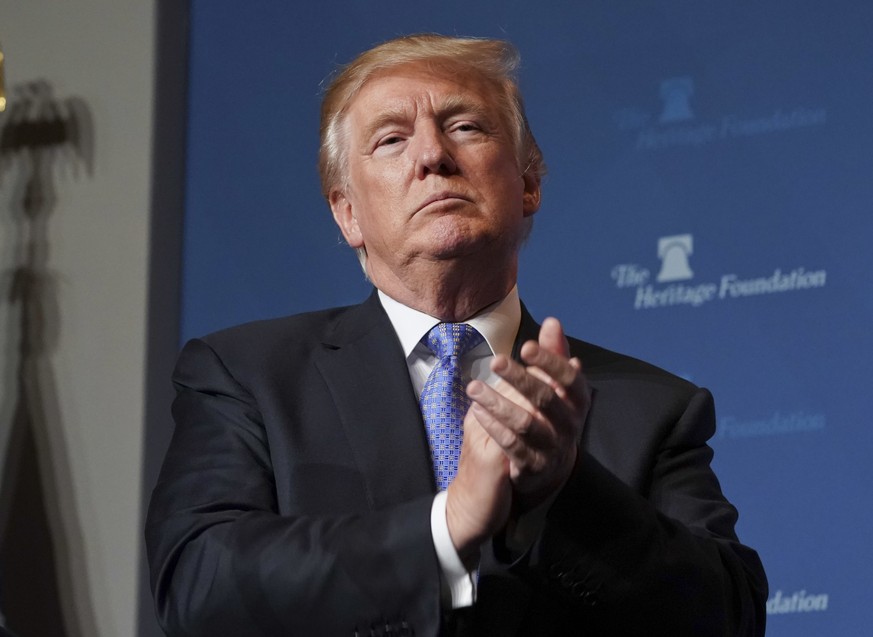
(505, 389)
(536, 389)
(549, 400)
(509, 424)
(477, 441)
(532, 467)
(575, 399)
(553, 415)
(552, 337)
(513, 446)
(564, 374)
(561, 405)
(556, 366)
(538, 423)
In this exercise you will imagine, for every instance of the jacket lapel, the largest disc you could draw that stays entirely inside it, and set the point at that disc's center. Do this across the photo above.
(363, 365)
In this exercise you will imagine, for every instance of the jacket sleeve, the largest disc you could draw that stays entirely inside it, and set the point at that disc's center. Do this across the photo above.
(224, 561)
(660, 558)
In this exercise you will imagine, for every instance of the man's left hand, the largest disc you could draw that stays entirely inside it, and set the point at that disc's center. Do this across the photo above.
(536, 413)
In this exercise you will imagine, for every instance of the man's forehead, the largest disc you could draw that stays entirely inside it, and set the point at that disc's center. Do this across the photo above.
(435, 67)
(400, 88)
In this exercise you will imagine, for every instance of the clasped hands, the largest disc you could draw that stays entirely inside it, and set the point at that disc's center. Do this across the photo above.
(520, 438)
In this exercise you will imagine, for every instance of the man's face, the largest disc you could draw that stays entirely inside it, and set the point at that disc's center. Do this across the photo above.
(431, 173)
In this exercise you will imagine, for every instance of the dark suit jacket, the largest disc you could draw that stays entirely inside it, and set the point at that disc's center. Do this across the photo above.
(295, 500)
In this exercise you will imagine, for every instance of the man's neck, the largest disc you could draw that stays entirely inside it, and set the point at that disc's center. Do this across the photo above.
(448, 295)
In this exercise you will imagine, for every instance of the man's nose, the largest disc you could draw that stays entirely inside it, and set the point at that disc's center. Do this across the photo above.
(433, 154)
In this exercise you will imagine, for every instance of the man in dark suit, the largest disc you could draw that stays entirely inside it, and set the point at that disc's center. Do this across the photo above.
(300, 491)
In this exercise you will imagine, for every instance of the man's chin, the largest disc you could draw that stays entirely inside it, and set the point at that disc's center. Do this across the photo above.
(471, 253)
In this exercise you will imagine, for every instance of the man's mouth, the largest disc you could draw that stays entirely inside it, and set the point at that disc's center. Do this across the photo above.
(447, 196)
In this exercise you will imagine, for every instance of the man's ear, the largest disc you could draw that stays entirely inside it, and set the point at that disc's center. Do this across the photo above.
(344, 215)
(531, 197)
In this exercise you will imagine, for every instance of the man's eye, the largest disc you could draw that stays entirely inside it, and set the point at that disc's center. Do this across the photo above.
(387, 141)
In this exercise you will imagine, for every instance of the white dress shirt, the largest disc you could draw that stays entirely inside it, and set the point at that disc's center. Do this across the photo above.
(498, 324)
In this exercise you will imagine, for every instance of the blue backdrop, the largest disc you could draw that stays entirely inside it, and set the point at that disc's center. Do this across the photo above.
(708, 208)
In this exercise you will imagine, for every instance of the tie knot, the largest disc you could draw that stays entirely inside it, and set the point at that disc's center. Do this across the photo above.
(452, 339)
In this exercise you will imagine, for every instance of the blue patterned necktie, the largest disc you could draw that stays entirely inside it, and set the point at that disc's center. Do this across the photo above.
(443, 401)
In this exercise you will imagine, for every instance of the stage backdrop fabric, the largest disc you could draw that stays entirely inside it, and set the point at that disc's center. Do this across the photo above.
(707, 208)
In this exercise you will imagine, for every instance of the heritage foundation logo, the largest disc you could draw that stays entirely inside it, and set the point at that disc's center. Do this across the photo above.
(674, 285)
(677, 124)
(674, 253)
(799, 602)
(776, 424)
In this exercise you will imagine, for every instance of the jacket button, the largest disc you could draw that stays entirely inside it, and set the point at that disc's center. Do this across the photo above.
(567, 580)
(556, 570)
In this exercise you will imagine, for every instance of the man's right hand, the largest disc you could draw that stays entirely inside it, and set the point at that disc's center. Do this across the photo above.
(480, 497)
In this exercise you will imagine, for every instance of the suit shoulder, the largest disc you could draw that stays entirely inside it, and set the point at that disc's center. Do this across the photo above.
(293, 333)
(605, 364)
(304, 322)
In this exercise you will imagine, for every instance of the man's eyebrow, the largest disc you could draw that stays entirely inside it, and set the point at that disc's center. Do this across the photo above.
(387, 117)
(450, 106)
(461, 104)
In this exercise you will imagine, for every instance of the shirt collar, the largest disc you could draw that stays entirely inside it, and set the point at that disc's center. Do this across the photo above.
(498, 323)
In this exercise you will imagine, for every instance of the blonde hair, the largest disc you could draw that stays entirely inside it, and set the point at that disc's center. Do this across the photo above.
(496, 61)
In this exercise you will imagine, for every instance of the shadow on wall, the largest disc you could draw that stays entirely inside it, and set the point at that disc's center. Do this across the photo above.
(43, 578)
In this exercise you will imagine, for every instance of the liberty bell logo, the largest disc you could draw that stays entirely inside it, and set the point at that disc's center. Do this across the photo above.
(676, 93)
(674, 252)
